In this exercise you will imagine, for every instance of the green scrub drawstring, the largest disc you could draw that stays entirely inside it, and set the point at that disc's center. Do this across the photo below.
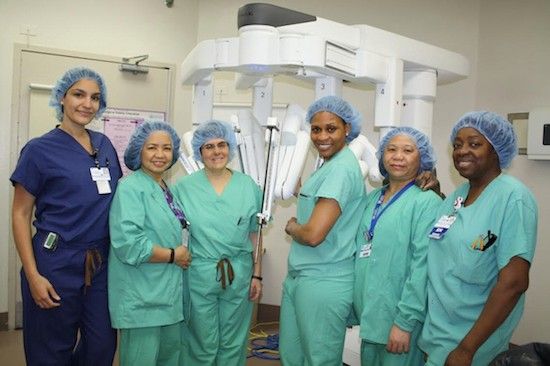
(220, 277)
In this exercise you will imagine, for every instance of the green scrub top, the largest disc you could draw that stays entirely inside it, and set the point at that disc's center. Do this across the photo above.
(143, 294)
(391, 280)
(340, 179)
(220, 224)
(461, 278)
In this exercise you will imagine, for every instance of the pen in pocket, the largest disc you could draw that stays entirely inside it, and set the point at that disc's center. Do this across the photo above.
(482, 243)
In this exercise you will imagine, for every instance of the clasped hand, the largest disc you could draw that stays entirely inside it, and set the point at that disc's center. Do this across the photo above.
(182, 256)
(289, 229)
(398, 340)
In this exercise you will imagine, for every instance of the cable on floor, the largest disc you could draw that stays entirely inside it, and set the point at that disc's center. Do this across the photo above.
(263, 345)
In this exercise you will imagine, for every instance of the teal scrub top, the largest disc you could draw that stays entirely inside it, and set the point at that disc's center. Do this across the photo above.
(220, 224)
(143, 294)
(340, 179)
(390, 283)
(460, 278)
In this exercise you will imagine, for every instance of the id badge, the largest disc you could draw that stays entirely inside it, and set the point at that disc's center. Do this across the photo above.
(101, 177)
(366, 250)
(442, 225)
(185, 237)
(103, 187)
(100, 174)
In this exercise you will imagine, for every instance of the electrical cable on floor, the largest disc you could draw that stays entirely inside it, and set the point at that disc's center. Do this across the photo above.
(263, 345)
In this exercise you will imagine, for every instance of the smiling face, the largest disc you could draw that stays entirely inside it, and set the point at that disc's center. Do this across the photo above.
(328, 134)
(473, 155)
(80, 103)
(157, 154)
(215, 154)
(401, 159)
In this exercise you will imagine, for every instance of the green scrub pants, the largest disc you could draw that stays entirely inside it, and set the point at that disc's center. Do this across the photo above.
(217, 332)
(314, 310)
(150, 346)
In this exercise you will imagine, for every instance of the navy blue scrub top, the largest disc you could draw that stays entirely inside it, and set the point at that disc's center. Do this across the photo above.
(55, 169)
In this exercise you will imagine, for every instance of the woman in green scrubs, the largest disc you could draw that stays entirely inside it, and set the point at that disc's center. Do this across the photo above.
(148, 253)
(481, 248)
(317, 292)
(392, 246)
(221, 205)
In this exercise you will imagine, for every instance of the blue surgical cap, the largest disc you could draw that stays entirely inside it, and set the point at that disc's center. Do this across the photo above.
(68, 79)
(498, 131)
(339, 107)
(211, 130)
(422, 142)
(132, 154)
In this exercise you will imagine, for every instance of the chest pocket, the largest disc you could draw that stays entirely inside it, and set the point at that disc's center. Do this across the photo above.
(240, 232)
(477, 267)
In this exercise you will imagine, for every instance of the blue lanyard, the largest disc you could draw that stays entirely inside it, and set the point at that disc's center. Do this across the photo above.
(376, 215)
(175, 208)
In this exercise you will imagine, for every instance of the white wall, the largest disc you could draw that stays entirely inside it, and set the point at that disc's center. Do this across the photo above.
(105, 27)
(514, 76)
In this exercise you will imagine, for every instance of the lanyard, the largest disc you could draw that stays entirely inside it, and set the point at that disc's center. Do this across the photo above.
(175, 208)
(376, 214)
(94, 156)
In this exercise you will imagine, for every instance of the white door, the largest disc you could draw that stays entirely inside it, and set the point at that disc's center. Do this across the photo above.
(37, 69)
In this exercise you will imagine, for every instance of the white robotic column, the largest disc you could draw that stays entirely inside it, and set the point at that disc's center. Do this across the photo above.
(388, 98)
(419, 88)
(203, 99)
(328, 86)
(405, 99)
(262, 102)
(262, 105)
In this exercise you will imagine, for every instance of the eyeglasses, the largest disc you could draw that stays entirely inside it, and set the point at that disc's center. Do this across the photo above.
(482, 243)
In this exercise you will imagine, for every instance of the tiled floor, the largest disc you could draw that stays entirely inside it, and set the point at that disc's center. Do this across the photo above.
(11, 349)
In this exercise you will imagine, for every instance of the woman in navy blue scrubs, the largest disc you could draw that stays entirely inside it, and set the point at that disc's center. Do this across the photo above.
(68, 176)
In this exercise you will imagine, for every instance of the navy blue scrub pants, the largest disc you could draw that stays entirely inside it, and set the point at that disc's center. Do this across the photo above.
(50, 335)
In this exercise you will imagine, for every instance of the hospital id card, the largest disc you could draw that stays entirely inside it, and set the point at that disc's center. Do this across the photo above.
(100, 174)
(101, 177)
(442, 225)
(366, 250)
(103, 187)
(185, 237)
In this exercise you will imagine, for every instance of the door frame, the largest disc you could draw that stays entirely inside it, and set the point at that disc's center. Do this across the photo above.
(19, 136)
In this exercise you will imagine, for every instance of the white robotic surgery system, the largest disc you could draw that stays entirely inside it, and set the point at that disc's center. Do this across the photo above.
(274, 40)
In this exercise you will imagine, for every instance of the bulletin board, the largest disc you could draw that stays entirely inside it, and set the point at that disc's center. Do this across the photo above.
(119, 124)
